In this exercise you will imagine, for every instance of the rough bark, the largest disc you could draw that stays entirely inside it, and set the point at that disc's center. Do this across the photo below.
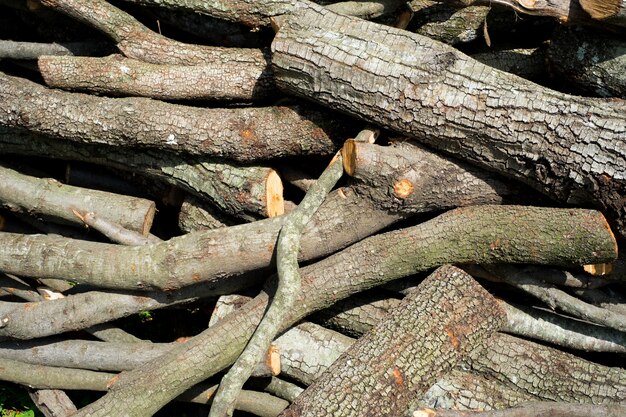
(287, 291)
(558, 299)
(118, 76)
(406, 353)
(534, 410)
(550, 373)
(527, 63)
(464, 390)
(390, 256)
(136, 41)
(241, 134)
(256, 14)
(194, 216)
(55, 200)
(567, 147)
(447, 23)
(398, 177)
(241, 191)
(594, 62)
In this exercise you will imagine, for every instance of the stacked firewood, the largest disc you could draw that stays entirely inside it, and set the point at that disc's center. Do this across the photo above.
(391, 208)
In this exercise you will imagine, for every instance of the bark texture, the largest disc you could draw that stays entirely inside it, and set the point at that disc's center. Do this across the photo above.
(550, 373)
(594, 62)
(243, 134)
(571, 148)
(408, 178)
(534, 410)
(118, 76)
(32, 50)
(55, 200)
(421, 340)
(240, 191)
(474, 232)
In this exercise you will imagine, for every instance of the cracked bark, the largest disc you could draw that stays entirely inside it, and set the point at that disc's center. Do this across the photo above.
(534, 409)
(418, 342)
(462, 235)
(568, 147)
(592, 61)
(118, 76)
(240, 134)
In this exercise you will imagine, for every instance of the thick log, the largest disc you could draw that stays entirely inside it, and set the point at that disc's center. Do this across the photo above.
(567, 147)
(594, 62)
(527, 63)
(417, 343)
(245, 192)
(481, 234)
(194, 215)
(448, 23)
(396, 175)
(53, 403)
(55, 200)
(241, 134)
(118, 76)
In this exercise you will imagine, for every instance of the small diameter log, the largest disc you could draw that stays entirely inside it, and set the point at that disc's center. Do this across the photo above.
(181, 261)
(548, 236)
(53, 403)
(54, 200)
(194, 216)
(118, 76)
(405, 354)
(448, 23)
(534, 409)
(32, 50)
(594, 62)
(420, 87)
(287, 291)
(397, 176)
(245, 192)
(114, 231)
(546, 372)
(241, 134)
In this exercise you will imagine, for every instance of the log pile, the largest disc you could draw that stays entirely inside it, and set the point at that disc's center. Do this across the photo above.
(399, 208)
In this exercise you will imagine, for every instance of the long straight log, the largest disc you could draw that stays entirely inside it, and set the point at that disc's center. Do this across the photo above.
(568, 147)
(482, 234)
(118, 76)
(417, 343)
(244, 191)
(241, 134)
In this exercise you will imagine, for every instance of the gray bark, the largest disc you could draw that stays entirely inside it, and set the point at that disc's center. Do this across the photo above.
(241, 134)
(418, 342)
(529, 233)
(568, 147)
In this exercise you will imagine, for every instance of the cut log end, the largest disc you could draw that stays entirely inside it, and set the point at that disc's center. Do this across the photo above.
(148, 219)
(598, 269)
(601, 9)
(424, 412)
(274, 195)
(348, 152)
(403, 188)
(273, 360)
(605, 222)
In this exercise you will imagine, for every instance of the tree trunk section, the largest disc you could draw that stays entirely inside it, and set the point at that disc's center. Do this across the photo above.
(568, 147)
